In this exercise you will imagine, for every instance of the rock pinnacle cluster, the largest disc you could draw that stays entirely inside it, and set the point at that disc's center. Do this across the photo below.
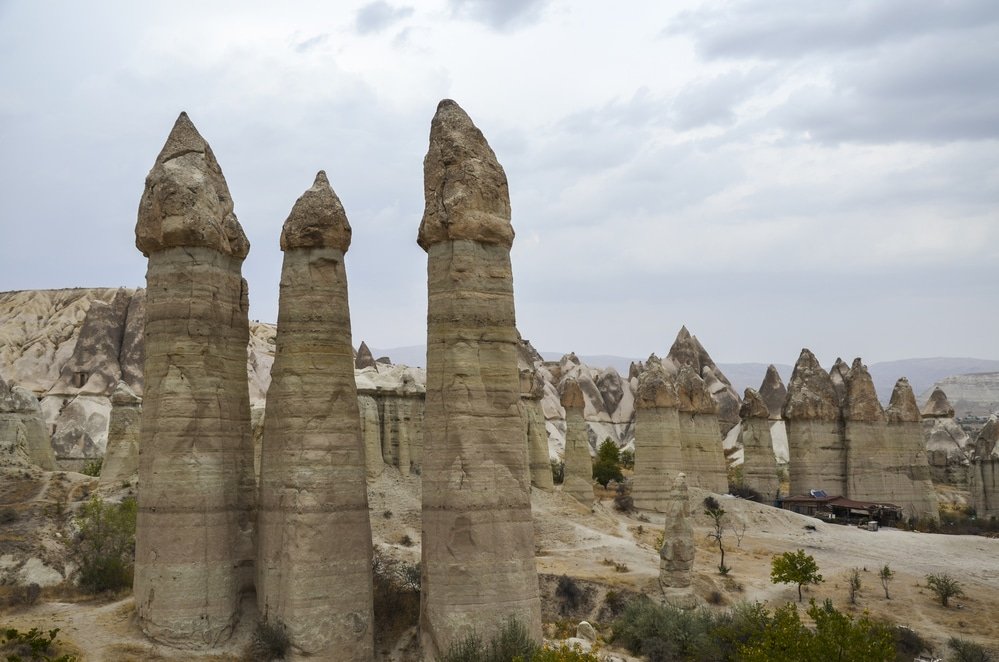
(194, 539)
(314, 536)
(478, 540)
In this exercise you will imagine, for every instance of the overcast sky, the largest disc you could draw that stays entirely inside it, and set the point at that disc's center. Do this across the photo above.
(773, 174)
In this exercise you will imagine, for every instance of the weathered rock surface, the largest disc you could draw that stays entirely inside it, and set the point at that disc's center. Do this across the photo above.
(773, 391)
(398, 393)
(937, 405)
(121, 459)
(838, 374)
(364, 357)
(908, 481)
(987, 439)
(578, 476)
(975, 394)
(701, 453)
(676, 557)
(194, 539)
(816, 450)
(531, 392)
(478, 538)
(313, 531)
(983, 473)
(24, 440)
(658, 455)
(759, 466)
(687, 350)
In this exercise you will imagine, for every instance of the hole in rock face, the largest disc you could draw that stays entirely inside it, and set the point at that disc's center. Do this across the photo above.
(79, 379)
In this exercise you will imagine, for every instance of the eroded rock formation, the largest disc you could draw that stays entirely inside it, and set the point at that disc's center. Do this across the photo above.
(194, 539)
(948, 446)
(364, 357)
(121, 460)
(687, 350)
(531, 392)
(676, 557)
(773, 392)
(658, 458)
(701, 453)
(578, 474)
(907, 474)
(478, 539)
(313, 532)
(811, 417)
(759, 466)
(24, 439)
(983, 479)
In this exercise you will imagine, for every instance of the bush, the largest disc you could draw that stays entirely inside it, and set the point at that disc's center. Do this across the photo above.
(908, 643)
(558, 472)
(627, 459)
(34, 645)
(795, 568)
(664, 632)
(745, 492)
(608, 464)
(944, 587)
(624, 503)
(396, 597)
(270, 642)
(92, 467)
(26, 595)
(7, 516)
(563, 653)
(104, 547)
(969, 651)
(512, 642)
(570, 594)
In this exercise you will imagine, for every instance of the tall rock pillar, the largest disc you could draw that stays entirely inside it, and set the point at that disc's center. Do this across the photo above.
(658, 460)
(577, 477)
(700, 437)
(676, 557)
(314, 536)
(910, 483)
(478, 539)
(815, 444)
(759, 466)
(531, 391)
(194, 535)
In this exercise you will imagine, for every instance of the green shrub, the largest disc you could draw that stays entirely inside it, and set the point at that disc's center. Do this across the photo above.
(562, 653)
(608, 464)
(92, 467)
(104, 547)
(795, 568)
(663, 632)
(969, 651)
(511, 642)
(33, 645)
(270, 642)
(944, 587)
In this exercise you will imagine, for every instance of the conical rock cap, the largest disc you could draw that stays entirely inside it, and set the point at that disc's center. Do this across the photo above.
(317, 220)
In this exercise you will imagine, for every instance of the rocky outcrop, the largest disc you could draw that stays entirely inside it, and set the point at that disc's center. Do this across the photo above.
(24, 440)
(676, 557)
(908, 481)
(658, 458)
(988, 438)
(937, 405)
(975, 394)
(478, 539)
(531, 392)
(773, 392)
(194, 537)
(398, 393)
(701, 453)
(838, 374)
(688, 351)
(313, 532)
(121, 460)
(578, 473)
(983, 472)
(816, 451)
(364, 357)
(759, 466)
(371, 435)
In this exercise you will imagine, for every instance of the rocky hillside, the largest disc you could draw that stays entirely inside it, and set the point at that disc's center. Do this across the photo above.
(976, 394)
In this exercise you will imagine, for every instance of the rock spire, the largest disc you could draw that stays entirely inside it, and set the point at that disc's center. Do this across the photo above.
(759, 467)
(313, 532)
(811, 416)
(578, 474)
(773, 391)
(478, 540)
(194, 535)
(658, 458)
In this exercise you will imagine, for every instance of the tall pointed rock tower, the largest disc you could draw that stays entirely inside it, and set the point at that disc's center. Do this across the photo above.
(478, 540)
(194, 537)
(314, 535)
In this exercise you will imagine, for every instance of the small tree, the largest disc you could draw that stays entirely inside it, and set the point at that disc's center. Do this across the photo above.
(886, 575)
(795, 568)
(608, 464)
(854, 585)
(969, 651)
(944, 587)
(717, 514)
(104, 548)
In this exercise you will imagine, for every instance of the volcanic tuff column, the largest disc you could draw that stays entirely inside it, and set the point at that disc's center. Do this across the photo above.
(531, 391)
(676, 558)
(908, 482)
(121, 460)
(577, 477)
(983, 474)
(811, 415)
(478, 538)
(24, 439)
(759, 467)
(700, 439)
(657, 438)
(194, 536)
(773, 392)
(947, 444)
(314, 536)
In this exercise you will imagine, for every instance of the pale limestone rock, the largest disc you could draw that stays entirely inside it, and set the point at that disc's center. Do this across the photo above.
(313, 532)
(531, 392)
(478, 539)
(364, 357)
(24, 440)
(371, 434)
(194, 538)
(121, 459)
(908, 481)
(586, 632)
(676, 557)
(773, 392)
(937, 405)
(816, 452)
(983, 474)
(658, 458)
(399, 393)
(80, 428)
(948, 448)
(988, 437)
(759, 466)
(93, 368)
(974, 394)
(838, 374)
(132, 354)
(578, 475)
(701, 453)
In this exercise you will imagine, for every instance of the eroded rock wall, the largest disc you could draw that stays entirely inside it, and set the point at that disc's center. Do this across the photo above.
(759, 466)
(658, 457)
(121, 460)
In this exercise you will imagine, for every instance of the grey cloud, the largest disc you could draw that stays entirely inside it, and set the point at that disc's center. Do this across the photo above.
(312, 42)
(713, 101)
(501, 15)
(376, 16)
(788, 29)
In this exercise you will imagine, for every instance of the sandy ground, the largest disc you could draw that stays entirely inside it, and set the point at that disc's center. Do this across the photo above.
(617, 551)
